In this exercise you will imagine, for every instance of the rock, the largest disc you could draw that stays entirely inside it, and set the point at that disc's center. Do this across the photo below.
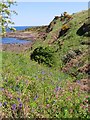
(85, 69)
(85, 43)
(83, 29)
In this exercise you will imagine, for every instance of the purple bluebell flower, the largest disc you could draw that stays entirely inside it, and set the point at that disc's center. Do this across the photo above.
(32, 110)
(57, 88)
(26, 81)
(0, 104)
(18, 99)
(1, 88)
(43, 72)
(11, 86)
(35, 97)
(5, 104)
(78, 81)
(14, 107)
(20, 105)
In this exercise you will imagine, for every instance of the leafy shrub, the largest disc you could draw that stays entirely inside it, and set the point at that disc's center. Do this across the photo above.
(78, 52)
(43, 55)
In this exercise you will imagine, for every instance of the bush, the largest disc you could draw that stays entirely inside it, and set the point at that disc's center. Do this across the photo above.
(65, 27)
(43, 55)
(63, 30)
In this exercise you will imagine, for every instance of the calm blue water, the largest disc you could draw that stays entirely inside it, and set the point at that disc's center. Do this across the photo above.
(19, 28)
(14, 40)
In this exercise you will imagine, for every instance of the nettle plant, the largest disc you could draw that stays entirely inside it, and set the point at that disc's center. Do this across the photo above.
(5, 15)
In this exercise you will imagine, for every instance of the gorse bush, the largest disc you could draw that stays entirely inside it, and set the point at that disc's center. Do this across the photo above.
(65, 27)
(66, 16)
(43, 55)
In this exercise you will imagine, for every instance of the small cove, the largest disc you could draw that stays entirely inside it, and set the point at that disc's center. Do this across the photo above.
(12, 40)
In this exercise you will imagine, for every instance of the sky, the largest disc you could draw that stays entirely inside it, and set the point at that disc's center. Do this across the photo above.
(41, 13)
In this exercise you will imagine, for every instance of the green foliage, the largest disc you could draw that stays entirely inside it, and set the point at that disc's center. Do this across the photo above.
(43, 55)
(5, 14)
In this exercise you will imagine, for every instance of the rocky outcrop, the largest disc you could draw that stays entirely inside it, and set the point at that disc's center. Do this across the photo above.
(51, 25)
(84, 84)
(21, 35)
(83, 29)
(85, 69)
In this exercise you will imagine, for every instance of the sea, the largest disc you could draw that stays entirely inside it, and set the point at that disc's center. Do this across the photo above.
(14, 40)
(19, 27)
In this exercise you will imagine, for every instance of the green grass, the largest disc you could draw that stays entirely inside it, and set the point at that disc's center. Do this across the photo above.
(44, 90)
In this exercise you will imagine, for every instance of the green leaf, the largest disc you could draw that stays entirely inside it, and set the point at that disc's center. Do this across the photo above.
(33, 104)
(7, 12)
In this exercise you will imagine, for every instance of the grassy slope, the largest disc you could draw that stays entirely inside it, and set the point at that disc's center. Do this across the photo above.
(35, 84)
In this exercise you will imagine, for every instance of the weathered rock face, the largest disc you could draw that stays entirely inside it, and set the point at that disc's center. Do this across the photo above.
(49, 28)
(57, 17)
(83, 29)
(51, 25)
(63, 30)
(85, 69)
(84, 84)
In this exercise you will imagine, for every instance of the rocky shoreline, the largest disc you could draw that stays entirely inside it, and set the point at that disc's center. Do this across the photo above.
(21, 35)
(16, 47)
(30, 34)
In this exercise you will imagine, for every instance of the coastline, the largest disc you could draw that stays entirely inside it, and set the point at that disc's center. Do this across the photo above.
(16, 47)
(30, 34)
(21, 35)
(20, 47)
